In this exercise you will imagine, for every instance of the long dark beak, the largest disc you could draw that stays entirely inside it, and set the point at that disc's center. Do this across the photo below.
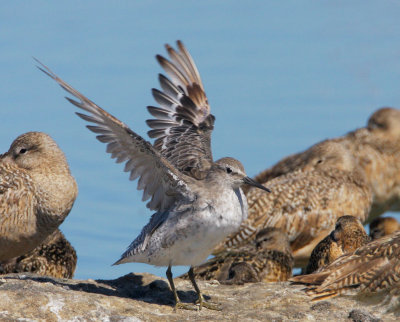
(253, 183)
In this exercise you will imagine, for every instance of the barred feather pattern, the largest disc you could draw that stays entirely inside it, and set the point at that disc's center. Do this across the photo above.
(371, 269)
(159, 179)
(54, 257)
(268, 259)
(303, 204)
(307, 201)
(376, 150)
(183, 124)
(348, 235)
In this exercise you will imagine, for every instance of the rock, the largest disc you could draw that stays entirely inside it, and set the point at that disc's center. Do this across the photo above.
(361, 316)
(145, 297)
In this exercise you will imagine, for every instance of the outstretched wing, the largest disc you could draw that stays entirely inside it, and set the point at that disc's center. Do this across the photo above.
(183, 124)
(158, 178)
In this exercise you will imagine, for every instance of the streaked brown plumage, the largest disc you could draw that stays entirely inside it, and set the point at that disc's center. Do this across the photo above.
(349, 234)
(54, 257)
(376, 149)
(383, 226)
(307, 202)
(37, 192)
(373, 269)
(267, 259)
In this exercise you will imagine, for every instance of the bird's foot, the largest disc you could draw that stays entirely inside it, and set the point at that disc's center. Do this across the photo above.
(208, 305)
(185, 306)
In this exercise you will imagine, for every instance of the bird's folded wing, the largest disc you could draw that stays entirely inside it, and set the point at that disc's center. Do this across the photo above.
(17, 197)
(183, 124)
(371, 268)
(157, 177)
(300, 204)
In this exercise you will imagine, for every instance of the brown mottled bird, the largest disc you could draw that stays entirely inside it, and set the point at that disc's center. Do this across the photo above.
(376, 149)
(268, 259)
(54, 257)
(349, 234)
(373, 269)
(383, 226)
(37, 192)
(307, 202)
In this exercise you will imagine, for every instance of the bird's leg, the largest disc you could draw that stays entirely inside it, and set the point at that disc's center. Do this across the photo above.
(178, 303)
(200, 300)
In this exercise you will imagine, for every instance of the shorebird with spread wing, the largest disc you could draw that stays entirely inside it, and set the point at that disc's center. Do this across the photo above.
(197, 201)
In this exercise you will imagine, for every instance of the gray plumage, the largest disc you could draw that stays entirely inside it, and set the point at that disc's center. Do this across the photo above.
(197, 201)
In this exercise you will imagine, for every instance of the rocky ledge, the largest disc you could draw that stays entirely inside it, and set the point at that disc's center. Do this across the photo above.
(145, 297)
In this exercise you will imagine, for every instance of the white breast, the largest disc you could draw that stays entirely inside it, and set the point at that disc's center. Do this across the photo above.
(188, 238)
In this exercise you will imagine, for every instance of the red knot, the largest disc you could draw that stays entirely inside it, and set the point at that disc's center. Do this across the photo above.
(197, 201)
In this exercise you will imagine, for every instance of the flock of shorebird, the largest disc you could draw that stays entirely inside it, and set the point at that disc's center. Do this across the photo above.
(306, 211)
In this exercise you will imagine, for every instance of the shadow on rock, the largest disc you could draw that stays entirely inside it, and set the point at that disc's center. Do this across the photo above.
(134, 286)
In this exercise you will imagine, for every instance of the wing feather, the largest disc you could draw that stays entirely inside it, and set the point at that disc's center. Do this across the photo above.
(372, 268)
(183, 124)
(159, 179)
(18, 209)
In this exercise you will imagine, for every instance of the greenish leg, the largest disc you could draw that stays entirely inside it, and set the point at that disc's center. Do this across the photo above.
(178, 303)
(200, 300)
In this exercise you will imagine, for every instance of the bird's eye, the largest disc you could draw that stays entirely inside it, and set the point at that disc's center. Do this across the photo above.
(228, 170)
(375, 125)
(22, 151)
(319, 161)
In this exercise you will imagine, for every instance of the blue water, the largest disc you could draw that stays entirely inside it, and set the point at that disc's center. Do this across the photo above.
(280, 76)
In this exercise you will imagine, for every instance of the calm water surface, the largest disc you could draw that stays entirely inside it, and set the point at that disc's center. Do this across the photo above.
(279, 77)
